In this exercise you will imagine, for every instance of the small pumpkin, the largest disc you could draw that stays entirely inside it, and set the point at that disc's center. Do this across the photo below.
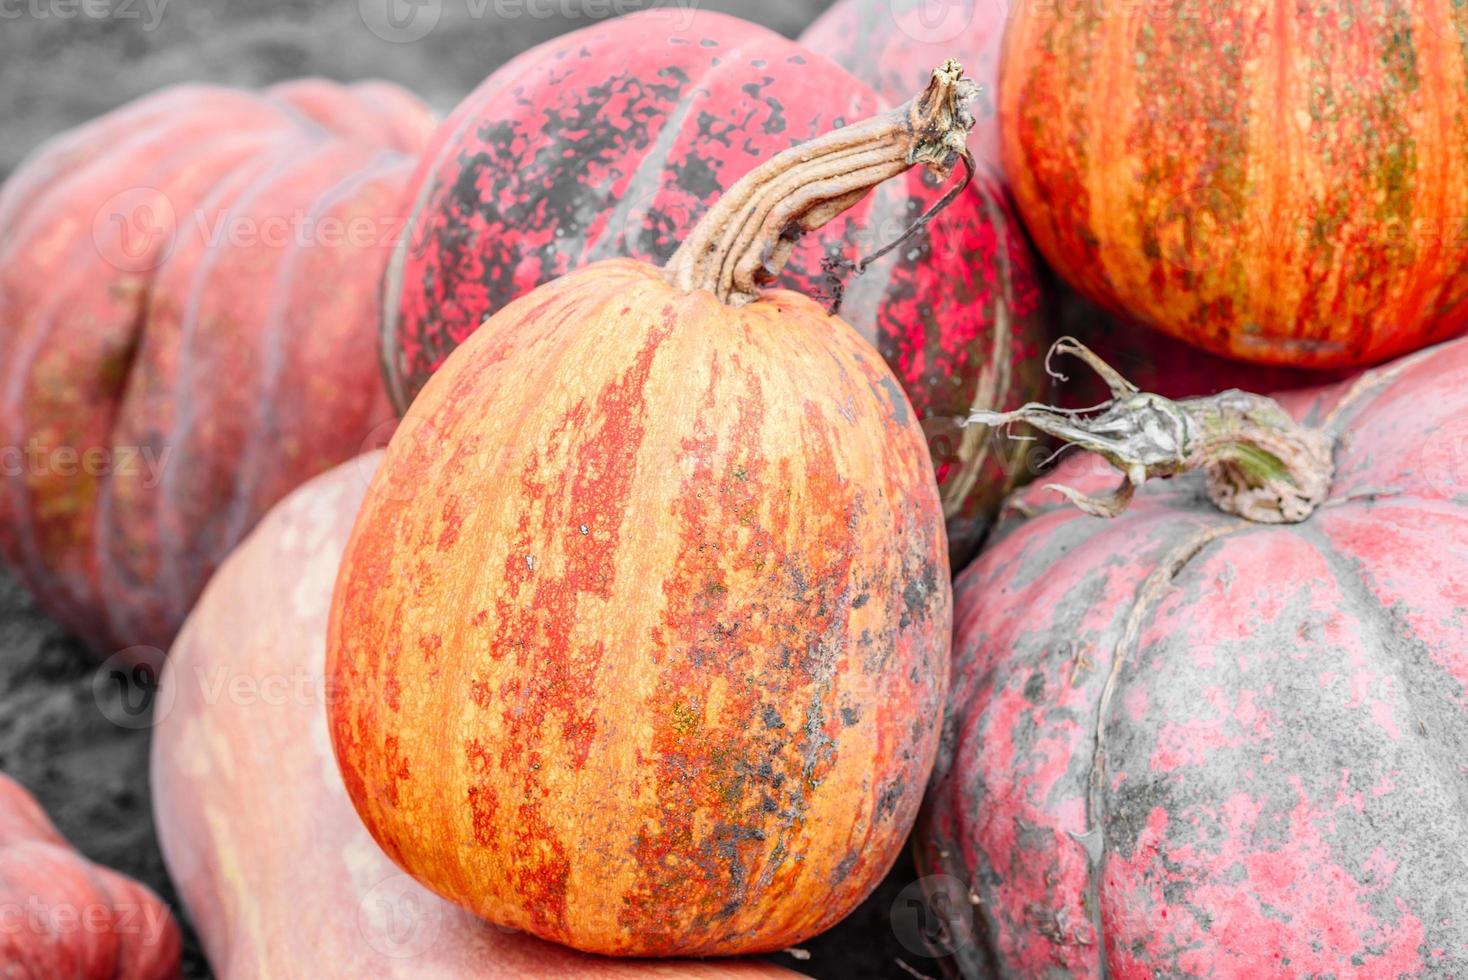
(188, 289)
(242, 752)
(1184, 743)
(642, 630)
(613, 140)
(1278, 184)
(63, 916)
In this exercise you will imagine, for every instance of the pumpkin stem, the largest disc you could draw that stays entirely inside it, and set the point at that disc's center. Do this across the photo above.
(1259, 463)
(746, 238)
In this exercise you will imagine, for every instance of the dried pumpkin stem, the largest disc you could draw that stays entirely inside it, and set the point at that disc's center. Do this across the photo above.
(746, 238)
(1259, 463)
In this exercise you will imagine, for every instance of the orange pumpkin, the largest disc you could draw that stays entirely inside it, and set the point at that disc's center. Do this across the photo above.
(241, 754)
(1282, 183)
(641, 636)
(63, 916)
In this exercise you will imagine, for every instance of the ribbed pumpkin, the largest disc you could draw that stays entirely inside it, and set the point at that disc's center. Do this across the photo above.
(188, 291)
(640, 638)
(1184, 744)
(242, 753)
(63, 916)
(614, 140)
(1281, 183)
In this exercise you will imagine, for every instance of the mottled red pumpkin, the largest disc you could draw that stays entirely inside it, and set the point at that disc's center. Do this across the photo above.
(1285, 184)
(614, 141)
(188, 294)
(640, 637)
(241, 753)
(1183, 744)
(63, 916)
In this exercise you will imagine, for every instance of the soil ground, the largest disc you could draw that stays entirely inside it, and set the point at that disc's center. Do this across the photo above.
(59, 66)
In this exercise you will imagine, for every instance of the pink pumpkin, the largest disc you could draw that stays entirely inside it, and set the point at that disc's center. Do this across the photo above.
(1185, 744)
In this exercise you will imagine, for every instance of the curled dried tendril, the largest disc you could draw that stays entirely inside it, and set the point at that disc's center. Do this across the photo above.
(1259, 463)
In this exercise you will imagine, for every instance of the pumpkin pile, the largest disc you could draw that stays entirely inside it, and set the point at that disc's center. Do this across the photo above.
(709, 360)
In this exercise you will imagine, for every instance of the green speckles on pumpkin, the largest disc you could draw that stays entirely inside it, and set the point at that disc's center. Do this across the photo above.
(685, 719)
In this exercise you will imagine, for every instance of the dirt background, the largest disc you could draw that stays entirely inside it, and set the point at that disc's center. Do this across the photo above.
(65, 61)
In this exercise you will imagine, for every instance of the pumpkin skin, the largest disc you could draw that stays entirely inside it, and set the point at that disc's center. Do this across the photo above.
(202, 234)
(1205, 171)
(614, 140)
(232, 775)
(1283, 740)
(67, 917)
(700, 548)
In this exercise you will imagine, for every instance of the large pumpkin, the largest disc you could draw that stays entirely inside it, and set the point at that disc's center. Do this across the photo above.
(280, 877)
(614, 140)
(188, 289)
(63, 916)
(1281, 183)
(640, 636)
(1185, 744)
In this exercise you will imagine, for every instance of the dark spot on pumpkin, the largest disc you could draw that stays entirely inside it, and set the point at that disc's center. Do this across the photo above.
(861, 600)
(895, 398)
(850, 716)
(1035, 688)
(887, 802)
(772, 718)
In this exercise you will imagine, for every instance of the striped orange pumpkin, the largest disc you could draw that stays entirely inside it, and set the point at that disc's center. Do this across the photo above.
(1281, 183)
(640, 639)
